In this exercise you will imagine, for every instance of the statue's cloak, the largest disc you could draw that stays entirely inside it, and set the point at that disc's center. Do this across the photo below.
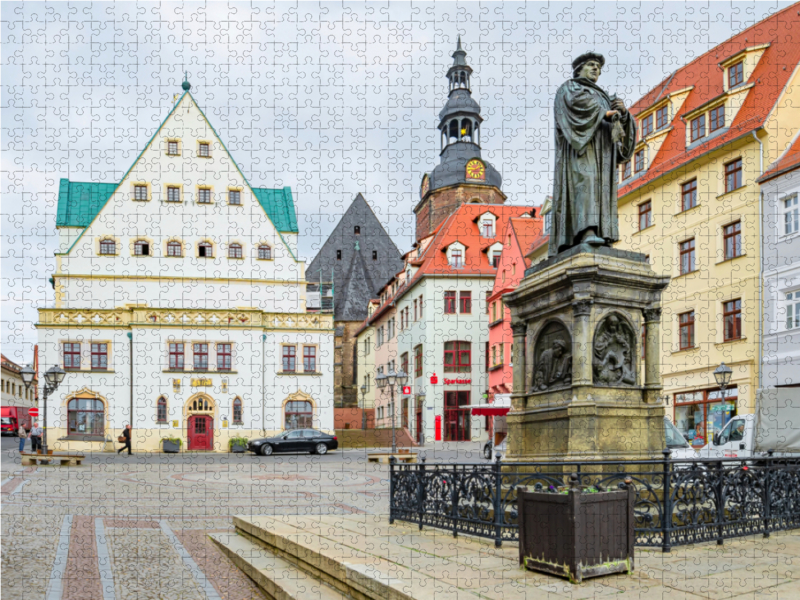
(585, 181)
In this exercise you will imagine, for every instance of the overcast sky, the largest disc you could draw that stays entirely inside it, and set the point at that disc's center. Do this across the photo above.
(331, 99)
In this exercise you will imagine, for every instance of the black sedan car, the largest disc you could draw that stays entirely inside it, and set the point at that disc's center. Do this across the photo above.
(295, 440)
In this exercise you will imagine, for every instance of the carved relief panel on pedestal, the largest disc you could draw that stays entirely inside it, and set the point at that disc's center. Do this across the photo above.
(614, 352)
(552, 354)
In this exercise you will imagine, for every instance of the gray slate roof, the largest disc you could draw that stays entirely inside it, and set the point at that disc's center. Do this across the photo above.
(356, 277)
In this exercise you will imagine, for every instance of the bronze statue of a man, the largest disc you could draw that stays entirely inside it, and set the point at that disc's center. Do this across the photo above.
(594, 133)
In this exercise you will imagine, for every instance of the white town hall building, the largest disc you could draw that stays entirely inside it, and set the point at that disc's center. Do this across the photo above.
(180, 304)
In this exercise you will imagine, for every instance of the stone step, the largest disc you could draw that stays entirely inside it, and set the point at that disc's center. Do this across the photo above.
(362, 566)
(278, 578)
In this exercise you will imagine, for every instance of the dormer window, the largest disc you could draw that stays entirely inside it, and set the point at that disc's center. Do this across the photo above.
(548, 223)
(662, 117)
(698, 127)
(456, 258)
(647, 125)
(717, 118)
(487, 229)
(141, 248)
(638, 160)
(736, 74)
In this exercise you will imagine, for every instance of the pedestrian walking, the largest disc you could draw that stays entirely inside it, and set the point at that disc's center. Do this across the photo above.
(36, 437)
(23, 435)
(125, 439)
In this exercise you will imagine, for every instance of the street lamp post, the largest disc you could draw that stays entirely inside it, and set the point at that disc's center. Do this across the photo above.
(52, 379)
(364, 407)
(392, 378)
(723, 376)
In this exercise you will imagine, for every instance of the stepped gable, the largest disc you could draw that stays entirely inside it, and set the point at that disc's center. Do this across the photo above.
(706, 80)
(357, 277)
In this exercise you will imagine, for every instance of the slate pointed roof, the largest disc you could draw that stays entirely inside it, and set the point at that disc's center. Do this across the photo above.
(356, 276)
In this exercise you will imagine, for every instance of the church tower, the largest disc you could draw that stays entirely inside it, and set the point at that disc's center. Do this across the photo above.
(461, 176)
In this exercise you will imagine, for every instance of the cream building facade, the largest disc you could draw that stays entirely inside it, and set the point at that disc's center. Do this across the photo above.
(180, 303)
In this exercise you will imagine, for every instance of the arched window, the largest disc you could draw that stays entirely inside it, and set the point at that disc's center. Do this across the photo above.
(264, 252)
(235, 251)
(298, 415)
(466, 130)
(457, 357)
(85, 416)
(205, 250)
(357, 230)
(161, 410)
(107, 246)
(174, 249)
(200, 404)
(237, 411)
(141, 248)
(453, 133)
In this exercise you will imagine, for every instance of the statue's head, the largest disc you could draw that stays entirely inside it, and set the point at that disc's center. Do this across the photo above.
(558, 347)
(588, 65)
(613, 323)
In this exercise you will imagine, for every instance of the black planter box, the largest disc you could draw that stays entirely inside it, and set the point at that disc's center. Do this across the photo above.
(170, 447)
(577, 534)
(237, 448)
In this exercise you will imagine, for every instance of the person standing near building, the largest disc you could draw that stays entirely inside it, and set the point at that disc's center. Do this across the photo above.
(23, 435)
(125, 438)
(36, 437)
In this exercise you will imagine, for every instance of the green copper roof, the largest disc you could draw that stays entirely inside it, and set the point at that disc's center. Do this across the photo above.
(79, 202)
(279, 206)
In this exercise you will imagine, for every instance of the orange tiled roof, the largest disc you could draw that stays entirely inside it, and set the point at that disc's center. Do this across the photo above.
(705, 75)
(788, 161)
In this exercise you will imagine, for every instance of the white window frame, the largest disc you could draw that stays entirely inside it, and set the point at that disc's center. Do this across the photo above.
(786, 212)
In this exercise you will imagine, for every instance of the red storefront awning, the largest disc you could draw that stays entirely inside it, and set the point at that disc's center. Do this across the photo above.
(489, 410)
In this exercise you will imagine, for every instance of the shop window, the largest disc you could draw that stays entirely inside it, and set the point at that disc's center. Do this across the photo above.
(161, 410)
(298, 415)
(237, 411)
(732, 240)
(99, 357)
(701, 414)
(645, 215)
(289, 357)
(141, 248)
(108, 247)
(174, 249)
(717, 118)
(72, 355)
(176, 355)
(791, 215)
(686, 327)
(223, 357)
(736, 74)
(732, 319)
(449, 303)
(689, 195)
(465, 303)
(733, 175)
(85, 417)
(457, 357)
(687, 256)
(309, 359)
(200, 353)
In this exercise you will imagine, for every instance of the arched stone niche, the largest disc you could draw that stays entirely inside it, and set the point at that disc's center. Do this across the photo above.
(552, 358)
(614, 352)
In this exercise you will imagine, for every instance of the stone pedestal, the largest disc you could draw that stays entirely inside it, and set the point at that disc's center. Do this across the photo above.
(585, 392)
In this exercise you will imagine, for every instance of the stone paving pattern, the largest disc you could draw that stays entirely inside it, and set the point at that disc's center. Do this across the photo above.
(200, 494)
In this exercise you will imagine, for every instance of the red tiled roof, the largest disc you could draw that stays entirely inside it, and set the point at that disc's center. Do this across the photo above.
(706, 77)
(788, 161)
(528, 233)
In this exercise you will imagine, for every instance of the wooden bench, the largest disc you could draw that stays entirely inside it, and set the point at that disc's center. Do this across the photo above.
(69, 460)
(380, 457)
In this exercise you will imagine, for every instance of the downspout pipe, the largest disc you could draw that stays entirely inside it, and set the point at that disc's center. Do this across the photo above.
(760, 265)
(263, 387)
(130, 408)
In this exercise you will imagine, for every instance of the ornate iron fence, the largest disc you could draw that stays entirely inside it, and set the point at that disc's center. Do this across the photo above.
(678, 502)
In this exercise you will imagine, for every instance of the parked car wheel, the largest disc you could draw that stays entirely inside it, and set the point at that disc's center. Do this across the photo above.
(266, 450)
(321, 449)
(487, 452)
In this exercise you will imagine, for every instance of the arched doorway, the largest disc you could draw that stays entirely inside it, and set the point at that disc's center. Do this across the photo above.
(200, 424)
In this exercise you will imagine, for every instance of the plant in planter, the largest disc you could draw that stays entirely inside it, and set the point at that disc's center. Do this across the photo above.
(237, 444)
(171, 444)
(576, 532)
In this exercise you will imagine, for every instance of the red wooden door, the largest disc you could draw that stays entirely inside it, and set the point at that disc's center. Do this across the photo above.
(457, 420)
(420, 433)
(201, 432)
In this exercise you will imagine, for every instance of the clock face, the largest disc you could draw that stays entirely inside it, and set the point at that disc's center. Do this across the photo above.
(426, 185)
(476, 170)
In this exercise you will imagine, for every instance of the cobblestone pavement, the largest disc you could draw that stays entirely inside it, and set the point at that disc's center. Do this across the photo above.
(135, 528)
